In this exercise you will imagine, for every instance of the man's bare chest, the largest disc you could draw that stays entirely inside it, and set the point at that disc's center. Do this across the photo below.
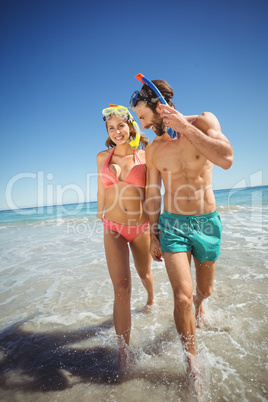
(178, 155)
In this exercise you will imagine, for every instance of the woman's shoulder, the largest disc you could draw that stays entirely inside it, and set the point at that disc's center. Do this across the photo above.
(103, 154)
(141, 154)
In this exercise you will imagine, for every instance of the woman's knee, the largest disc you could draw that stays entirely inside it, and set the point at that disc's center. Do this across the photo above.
(122, 291)
(146, 276)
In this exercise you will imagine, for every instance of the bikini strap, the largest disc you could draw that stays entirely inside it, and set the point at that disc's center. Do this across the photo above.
(109, 158)
(137, 157)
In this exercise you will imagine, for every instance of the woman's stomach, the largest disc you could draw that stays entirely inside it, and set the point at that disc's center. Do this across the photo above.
(125, 204)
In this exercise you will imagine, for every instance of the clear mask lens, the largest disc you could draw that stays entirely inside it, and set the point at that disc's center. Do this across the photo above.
(118, 111)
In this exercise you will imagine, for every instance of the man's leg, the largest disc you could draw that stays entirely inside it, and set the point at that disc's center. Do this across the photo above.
(178, 269)
(205, 273)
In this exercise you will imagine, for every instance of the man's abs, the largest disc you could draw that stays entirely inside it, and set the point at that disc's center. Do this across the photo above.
(187, 200)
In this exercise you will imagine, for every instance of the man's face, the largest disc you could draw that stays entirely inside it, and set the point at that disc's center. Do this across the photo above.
(152, 120)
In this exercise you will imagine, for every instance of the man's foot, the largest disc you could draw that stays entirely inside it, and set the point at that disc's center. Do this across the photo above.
(199, 313)
(198, 385)
(194, 375)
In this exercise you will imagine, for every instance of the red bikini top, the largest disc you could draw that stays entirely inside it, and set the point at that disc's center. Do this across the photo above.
(136, 177)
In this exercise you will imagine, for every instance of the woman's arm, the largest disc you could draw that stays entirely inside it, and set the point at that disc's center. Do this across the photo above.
(153, 202)
(101, 189)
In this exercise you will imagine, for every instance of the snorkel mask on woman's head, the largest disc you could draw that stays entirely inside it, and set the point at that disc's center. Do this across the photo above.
(122, 111)
(116, 110)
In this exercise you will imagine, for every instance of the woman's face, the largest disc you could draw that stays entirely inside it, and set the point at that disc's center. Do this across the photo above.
(118, 130)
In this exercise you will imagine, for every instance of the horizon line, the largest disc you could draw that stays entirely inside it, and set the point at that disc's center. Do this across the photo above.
(86, 202)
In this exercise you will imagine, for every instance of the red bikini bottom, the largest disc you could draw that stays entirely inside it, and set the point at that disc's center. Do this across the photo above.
(127, 231)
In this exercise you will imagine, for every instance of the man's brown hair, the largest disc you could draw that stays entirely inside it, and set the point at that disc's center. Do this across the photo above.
(165, 90)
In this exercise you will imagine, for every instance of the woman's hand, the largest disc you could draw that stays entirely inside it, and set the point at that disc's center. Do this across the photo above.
(100, 215)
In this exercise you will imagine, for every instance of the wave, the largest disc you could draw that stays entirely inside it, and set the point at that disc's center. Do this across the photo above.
(50, 222)
(227, 200)
(241, 208)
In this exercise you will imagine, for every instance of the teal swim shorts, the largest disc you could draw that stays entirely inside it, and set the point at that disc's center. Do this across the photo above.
(199, 233)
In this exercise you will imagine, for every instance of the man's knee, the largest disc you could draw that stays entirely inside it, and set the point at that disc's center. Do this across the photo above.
(204, 293)
(183, 302)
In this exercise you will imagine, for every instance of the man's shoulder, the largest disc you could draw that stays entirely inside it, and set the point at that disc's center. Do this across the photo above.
(152, 146)
(203, 120)
(150, 152)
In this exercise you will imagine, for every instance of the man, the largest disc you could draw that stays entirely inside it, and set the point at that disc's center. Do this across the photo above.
(189, 225)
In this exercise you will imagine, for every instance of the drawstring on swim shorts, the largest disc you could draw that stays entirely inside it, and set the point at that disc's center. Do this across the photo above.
(194, 223)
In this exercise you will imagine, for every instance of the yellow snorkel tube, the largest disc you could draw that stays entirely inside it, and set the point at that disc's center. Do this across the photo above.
(135, 143)
(122, 110)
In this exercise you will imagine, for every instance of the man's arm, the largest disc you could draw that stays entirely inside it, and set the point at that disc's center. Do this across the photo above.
(204, 133)
(153, 202)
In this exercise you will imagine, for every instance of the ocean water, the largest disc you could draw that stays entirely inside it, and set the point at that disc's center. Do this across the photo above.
(57, 340)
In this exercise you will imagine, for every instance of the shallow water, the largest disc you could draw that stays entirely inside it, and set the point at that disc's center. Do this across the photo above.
(58, 342)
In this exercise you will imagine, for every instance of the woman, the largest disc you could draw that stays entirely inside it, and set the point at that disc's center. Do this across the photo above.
(121, 196)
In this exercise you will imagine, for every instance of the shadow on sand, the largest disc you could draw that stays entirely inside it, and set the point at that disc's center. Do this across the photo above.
(32, 362)
(39, 361)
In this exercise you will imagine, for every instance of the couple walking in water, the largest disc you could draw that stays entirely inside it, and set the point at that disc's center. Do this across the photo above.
(131, 173)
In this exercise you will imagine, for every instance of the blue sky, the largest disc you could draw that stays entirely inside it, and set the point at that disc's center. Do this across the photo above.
(63, 61)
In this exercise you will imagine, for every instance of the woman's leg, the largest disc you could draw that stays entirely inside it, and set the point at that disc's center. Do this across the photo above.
(117, 256)
(142, 259)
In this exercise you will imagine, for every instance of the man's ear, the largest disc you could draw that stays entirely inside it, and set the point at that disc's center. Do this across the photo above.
(158, 110)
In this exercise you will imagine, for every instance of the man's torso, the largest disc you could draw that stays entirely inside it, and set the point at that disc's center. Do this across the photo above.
(186, 175)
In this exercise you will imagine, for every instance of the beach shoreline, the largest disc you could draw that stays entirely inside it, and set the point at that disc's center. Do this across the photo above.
(57, 338)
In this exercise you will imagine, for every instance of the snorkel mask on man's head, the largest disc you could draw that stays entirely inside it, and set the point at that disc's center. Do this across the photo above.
(143, 96)
(139, 99)
(123, 112)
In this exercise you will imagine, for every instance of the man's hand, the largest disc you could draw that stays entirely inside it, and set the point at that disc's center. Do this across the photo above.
(172, 118)
(155, 249)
